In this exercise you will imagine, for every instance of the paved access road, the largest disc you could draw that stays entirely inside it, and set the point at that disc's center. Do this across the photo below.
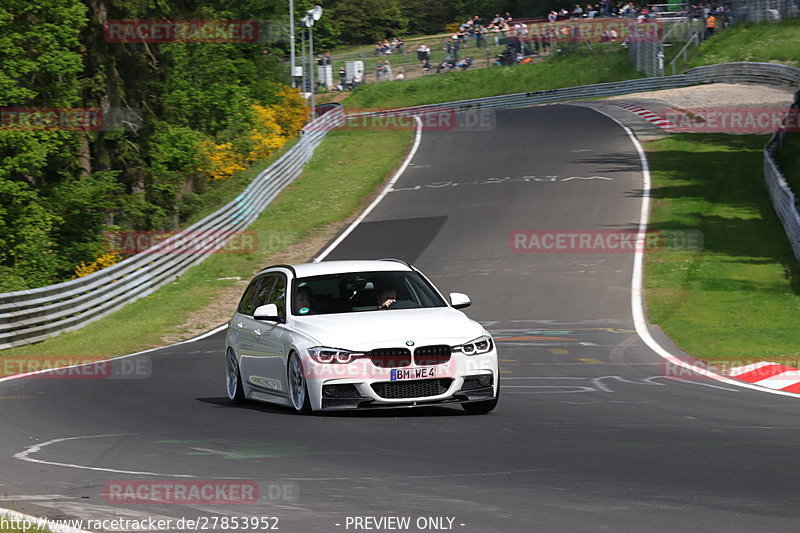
(590, 435)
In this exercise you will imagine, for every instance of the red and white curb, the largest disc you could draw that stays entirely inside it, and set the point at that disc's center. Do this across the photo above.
(769, 375)
(653, 118)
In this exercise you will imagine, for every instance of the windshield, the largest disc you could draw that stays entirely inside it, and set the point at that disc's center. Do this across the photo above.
(353, 292)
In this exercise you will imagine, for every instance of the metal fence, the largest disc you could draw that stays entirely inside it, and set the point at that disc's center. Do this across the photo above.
(648, 55)
(647, 48)
(764, 10)
(33, 315)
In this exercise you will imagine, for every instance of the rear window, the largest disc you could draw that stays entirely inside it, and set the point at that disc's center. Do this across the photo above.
(362, 292)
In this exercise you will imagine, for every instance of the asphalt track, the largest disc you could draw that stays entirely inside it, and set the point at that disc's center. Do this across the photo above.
(589, 435)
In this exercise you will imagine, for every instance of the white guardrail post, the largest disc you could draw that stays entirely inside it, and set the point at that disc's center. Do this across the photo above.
(34, 315)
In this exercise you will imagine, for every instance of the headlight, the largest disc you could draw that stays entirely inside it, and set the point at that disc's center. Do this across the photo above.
(478, 346)
(321, 354)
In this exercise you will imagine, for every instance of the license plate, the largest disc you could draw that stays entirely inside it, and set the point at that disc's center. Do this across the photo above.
(425, 372)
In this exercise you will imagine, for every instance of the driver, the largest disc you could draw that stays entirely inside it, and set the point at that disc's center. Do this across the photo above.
(303, 300)
(386, 297)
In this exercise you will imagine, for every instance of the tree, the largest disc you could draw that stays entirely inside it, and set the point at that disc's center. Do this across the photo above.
(27, 253)
(367, 21)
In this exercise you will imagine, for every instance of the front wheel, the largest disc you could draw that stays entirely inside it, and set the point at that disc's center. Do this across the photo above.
(233, 378)
(297, 386)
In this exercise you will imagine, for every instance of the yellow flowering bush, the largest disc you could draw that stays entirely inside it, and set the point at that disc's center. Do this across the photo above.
(291, 111)
(221, 160)
(267, 135)
(101, 261)
(270, 127)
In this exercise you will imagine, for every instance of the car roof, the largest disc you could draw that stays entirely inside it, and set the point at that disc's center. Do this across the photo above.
(322, 268)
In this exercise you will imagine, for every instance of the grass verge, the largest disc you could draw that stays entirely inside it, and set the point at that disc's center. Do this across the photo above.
(753, 41)
(346, 169)
(738, 298)
(580, 68)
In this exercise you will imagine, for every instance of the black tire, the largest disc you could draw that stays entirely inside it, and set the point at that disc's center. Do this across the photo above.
(233, 378)
(298, 390)
(483, 407)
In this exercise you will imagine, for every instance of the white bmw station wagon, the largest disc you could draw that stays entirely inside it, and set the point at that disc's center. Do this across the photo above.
(341, 335)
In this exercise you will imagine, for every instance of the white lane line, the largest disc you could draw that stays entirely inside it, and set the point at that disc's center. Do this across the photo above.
(383, 193)
(25, 455)
(637, 296)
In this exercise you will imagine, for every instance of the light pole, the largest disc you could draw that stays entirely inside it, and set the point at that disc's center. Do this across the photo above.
(312, 15)
(292, 58)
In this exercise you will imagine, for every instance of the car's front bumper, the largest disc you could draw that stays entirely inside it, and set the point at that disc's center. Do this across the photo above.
(365, 386)
(459, 397)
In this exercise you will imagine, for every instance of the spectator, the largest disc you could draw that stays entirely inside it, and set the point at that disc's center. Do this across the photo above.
(421, 53)
(387, 70)
(379, 70)
(711, 25)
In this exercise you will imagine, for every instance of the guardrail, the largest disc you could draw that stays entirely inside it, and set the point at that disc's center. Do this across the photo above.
(763, 73)
(783, 198)
(33, 315)
(36, 314)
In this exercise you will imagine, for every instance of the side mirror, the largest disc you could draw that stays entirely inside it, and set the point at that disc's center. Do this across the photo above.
(459, 301)
(267, 312)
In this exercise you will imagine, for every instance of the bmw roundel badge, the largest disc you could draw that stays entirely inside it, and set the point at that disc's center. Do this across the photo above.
(409, 343)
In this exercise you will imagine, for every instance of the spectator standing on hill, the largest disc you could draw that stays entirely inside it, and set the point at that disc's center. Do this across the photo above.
(483, 40)
(387, 70)
(711, 25)
(379, 70)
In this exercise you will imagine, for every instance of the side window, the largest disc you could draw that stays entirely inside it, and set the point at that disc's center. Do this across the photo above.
(246, 306)
(278, 295)
(262, 296)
